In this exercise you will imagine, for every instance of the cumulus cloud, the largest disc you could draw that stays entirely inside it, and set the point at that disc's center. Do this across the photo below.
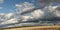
(26, 18)
(57, 12)
(10, 21)
(1, 1)
(2, 16)
(5, 17)
(10, 15)
(26, 6)
(50, 11)
(38, 14)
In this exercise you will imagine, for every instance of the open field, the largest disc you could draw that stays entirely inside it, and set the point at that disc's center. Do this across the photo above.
(35, 28)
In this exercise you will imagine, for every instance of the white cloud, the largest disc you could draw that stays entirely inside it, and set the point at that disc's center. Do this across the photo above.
(10, 21)
(26, 6)
(1, 1)
(5, 17)
(51, 11)
(2, 15)
(26, 18)
(57, 11)
(38, 14)
(10, 15)
(23, 8)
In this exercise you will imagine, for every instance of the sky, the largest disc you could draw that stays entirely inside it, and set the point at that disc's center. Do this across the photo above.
(7, 5)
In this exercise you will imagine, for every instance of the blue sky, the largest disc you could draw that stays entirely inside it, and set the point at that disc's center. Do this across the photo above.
(8, 5)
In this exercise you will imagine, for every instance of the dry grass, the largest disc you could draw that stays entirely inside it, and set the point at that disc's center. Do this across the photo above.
(36, 28)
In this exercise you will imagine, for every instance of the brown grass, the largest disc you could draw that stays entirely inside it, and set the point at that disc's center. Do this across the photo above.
(37, 28)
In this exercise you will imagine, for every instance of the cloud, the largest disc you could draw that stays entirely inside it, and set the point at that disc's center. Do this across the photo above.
(10, 21)
(37, 14)
(2, 15)
(1, 1)
(10, 15)
(57, 12)
(5, 17)
(26, 6)
(26, 18)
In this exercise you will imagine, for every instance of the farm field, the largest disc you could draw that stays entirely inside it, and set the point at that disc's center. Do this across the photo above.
(35, 28)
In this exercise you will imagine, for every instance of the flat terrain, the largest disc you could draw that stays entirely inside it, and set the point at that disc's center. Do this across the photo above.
(35, 28)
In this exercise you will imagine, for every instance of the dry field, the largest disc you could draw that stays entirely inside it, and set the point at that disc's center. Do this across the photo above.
(35, 28)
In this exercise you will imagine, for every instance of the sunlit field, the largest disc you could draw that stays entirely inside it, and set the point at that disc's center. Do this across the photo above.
(34, 28)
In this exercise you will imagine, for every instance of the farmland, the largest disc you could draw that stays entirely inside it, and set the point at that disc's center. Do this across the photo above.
(34, 28)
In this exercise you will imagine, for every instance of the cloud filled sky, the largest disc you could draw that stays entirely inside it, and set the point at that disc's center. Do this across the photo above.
(7, 5)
